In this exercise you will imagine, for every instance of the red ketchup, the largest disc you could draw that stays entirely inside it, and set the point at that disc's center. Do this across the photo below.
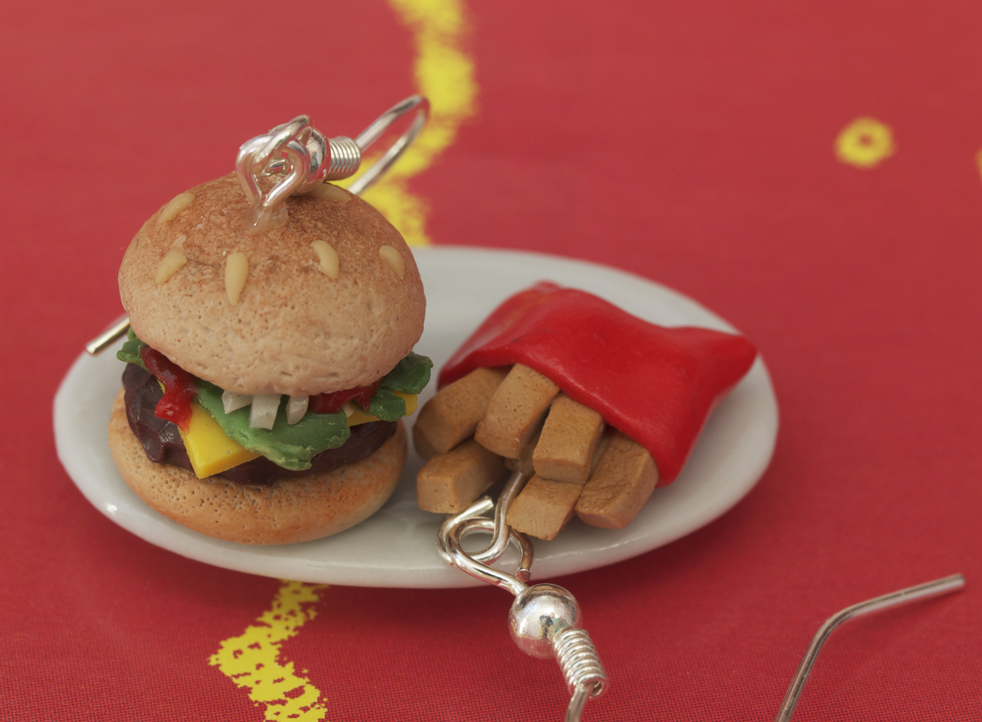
(180, 388)
(333, 402)
(655, 384)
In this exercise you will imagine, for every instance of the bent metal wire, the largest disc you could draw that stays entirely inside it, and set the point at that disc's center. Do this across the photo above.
(305, 158)
(936, 588)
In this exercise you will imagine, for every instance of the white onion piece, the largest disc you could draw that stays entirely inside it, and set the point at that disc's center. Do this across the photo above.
(296, 407)
(263, 412)
(348, 409)
(233, 401)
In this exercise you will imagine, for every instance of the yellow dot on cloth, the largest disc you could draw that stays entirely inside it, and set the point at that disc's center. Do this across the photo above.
(864, 143)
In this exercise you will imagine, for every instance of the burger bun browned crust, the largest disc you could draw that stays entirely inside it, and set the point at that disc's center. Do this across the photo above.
(293, 329)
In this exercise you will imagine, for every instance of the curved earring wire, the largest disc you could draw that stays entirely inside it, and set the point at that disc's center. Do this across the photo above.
(373, 132)
(922, 591)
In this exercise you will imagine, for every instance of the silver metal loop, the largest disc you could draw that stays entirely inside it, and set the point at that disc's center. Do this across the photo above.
(272, 206)
(516, 583)
(317, 149)
(264, 148)
(500, 535)
(262, 155)
(283, 149)
(477, 509)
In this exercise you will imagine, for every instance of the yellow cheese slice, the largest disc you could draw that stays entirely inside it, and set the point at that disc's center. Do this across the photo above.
(210, 450)
(360, 417)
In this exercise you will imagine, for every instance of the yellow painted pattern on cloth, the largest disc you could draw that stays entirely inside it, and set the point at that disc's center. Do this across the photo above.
(252, 660)
(864, 143)
(444, 73)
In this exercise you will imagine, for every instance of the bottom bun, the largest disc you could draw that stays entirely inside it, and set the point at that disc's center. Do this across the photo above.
(297, 510)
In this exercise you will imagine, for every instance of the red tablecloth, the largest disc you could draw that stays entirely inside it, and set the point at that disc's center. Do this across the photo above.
(711, 146)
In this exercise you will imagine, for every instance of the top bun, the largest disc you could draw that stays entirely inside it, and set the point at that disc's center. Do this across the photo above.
(293, 330)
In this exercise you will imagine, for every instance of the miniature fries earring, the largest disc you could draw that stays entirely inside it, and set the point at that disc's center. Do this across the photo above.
(306, 159)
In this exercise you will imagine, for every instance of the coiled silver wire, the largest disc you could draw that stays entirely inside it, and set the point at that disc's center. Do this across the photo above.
(345, 158)
(578, 659)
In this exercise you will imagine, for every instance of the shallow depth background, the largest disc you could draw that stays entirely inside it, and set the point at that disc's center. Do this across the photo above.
(692, 143)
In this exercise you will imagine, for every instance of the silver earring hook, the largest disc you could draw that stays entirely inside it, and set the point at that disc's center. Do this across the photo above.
(306, 158)
(544, 619)
(343, 154)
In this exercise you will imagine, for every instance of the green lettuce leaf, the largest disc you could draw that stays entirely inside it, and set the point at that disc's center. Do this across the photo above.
(130, 352)
(410, 375)
(290, 446)
(387, 405)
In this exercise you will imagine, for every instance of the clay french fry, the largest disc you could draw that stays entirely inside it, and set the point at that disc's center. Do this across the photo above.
(619, 486)
(515, 412)
(568, 441)
(452, 415)
(524, 462)
(543, 507)
(449, 483)
(422, 444)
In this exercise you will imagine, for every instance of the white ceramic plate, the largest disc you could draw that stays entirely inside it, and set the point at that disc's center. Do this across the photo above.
(397, 546)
